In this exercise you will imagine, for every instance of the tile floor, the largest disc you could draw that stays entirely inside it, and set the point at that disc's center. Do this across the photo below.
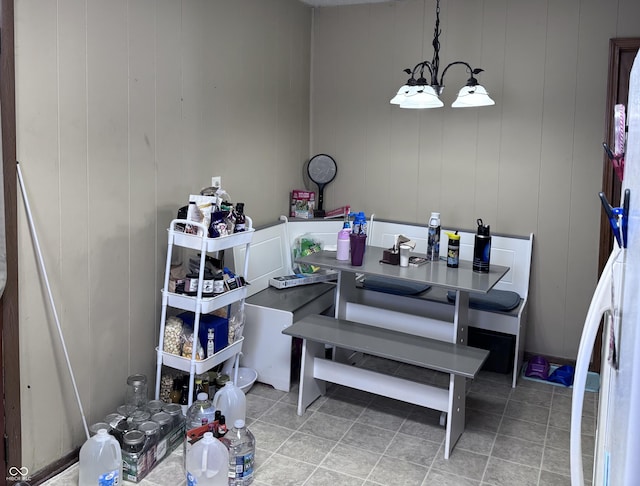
(350, 438)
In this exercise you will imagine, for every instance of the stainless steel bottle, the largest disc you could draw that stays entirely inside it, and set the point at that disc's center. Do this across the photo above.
(482, 248)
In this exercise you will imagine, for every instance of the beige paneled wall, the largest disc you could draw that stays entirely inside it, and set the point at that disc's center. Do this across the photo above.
(531, 163)
(124, 108)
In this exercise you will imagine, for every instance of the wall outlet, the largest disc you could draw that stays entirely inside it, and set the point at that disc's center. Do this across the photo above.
(216, 181)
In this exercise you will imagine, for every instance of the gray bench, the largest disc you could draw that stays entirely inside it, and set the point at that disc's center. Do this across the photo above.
(459, 361)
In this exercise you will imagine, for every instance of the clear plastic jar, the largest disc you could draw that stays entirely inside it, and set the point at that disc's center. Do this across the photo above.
(175, 411)
(120, 430)
(165, 421)
(155, 406)
(93, 428)
(137, 394)
(126, 410)
(139, 416)
(151, 431)
(133, 442)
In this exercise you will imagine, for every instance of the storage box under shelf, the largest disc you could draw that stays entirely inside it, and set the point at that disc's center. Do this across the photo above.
(136, 466)
(184, 364)
(194, 242)
(208, 304)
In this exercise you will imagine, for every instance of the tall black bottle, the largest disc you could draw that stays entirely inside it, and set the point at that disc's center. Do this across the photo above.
(482, 248)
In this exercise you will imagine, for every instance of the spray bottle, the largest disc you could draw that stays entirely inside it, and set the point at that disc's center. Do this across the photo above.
(433, 238)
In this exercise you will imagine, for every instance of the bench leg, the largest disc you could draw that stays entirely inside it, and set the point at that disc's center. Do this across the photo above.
(455, 414)
(310, 388)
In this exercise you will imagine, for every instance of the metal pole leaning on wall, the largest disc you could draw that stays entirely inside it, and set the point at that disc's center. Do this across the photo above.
(43, 269)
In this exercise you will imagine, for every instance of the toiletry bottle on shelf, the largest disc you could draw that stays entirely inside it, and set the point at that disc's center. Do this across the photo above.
(433, 237)
(482, 248)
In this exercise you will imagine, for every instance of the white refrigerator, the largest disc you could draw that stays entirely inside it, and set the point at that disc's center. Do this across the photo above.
(617, 299)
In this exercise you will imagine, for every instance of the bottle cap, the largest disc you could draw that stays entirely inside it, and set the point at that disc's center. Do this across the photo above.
(202, 396)
(238, 424)
(483, 230)
(207, 438)
(453, 236)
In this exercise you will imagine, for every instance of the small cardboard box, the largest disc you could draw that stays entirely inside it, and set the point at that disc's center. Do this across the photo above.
(135, 466)
(302, 204)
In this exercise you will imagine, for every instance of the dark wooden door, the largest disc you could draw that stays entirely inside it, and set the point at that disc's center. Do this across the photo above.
(10, 447)
(622, 53)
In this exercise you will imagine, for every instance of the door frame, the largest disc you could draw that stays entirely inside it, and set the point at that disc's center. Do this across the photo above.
(617, 92)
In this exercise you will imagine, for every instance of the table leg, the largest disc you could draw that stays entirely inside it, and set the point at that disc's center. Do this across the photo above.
(461, 317)
(345, 293)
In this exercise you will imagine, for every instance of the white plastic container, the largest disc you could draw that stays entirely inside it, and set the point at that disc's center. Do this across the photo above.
(101, 461)
(208, 463)
(231, 402)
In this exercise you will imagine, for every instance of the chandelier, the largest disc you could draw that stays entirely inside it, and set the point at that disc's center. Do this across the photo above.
(422, 93)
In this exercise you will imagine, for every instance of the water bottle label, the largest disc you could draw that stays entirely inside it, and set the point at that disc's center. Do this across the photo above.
(243, 468)
(112, 478)
(191, 480)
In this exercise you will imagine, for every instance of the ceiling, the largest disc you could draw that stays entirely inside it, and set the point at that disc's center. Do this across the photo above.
(334, 3)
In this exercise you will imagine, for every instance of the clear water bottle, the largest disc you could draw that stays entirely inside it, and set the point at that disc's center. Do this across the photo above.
(207, 463)
(201, 412)
(100, 461)
(242, 451)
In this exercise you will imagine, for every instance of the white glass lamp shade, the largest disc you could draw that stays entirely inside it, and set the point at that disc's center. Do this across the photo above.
(397, 99)
(424, 97)
(470, 96)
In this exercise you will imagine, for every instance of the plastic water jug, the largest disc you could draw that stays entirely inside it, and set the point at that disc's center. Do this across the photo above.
(201, 412)
(208, 463)
(231, 402)
(101, 461)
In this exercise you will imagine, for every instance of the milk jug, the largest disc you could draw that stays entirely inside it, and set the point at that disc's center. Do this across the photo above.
(208, 463)
(231, 402)
(101, 461)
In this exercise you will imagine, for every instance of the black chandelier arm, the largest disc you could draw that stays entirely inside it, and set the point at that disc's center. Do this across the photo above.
(421, 80)
(472, 81)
